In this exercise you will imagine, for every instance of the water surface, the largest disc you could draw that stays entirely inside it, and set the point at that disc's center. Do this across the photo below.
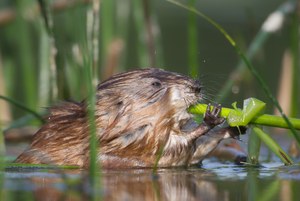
(213, 181)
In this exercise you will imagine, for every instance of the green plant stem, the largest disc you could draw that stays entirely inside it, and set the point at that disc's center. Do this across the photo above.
(94, 39)
(90, 67)
(272, 145)
(276, 121)
(21, 106)
(93, 142)
(123, 14)
(149, 32)
(45, 11)
(264, 119)
(47, 78)
(139, 23)
(44, 63)
(294, 46)
(23, 121)
(24, 49)
(107, 27)
(158, 156)
(254, 143)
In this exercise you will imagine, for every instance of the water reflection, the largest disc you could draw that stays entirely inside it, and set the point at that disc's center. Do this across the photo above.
(167, 185)
(215, 181)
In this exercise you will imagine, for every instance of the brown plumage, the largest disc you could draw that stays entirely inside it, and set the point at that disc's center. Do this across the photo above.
(138, 114)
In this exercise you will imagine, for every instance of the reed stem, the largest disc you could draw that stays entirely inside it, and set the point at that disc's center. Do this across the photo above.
(264, 119)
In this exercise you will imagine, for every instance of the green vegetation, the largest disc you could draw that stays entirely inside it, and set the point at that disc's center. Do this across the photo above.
(55, 50)
(267, 27)
(252, 114)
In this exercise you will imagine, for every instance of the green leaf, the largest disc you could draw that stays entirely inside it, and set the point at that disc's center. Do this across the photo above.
(273, 146)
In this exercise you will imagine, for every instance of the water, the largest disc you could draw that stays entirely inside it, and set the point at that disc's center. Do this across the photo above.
(213, 181)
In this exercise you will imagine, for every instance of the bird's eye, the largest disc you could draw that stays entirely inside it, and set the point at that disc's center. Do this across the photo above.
(156, 84)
